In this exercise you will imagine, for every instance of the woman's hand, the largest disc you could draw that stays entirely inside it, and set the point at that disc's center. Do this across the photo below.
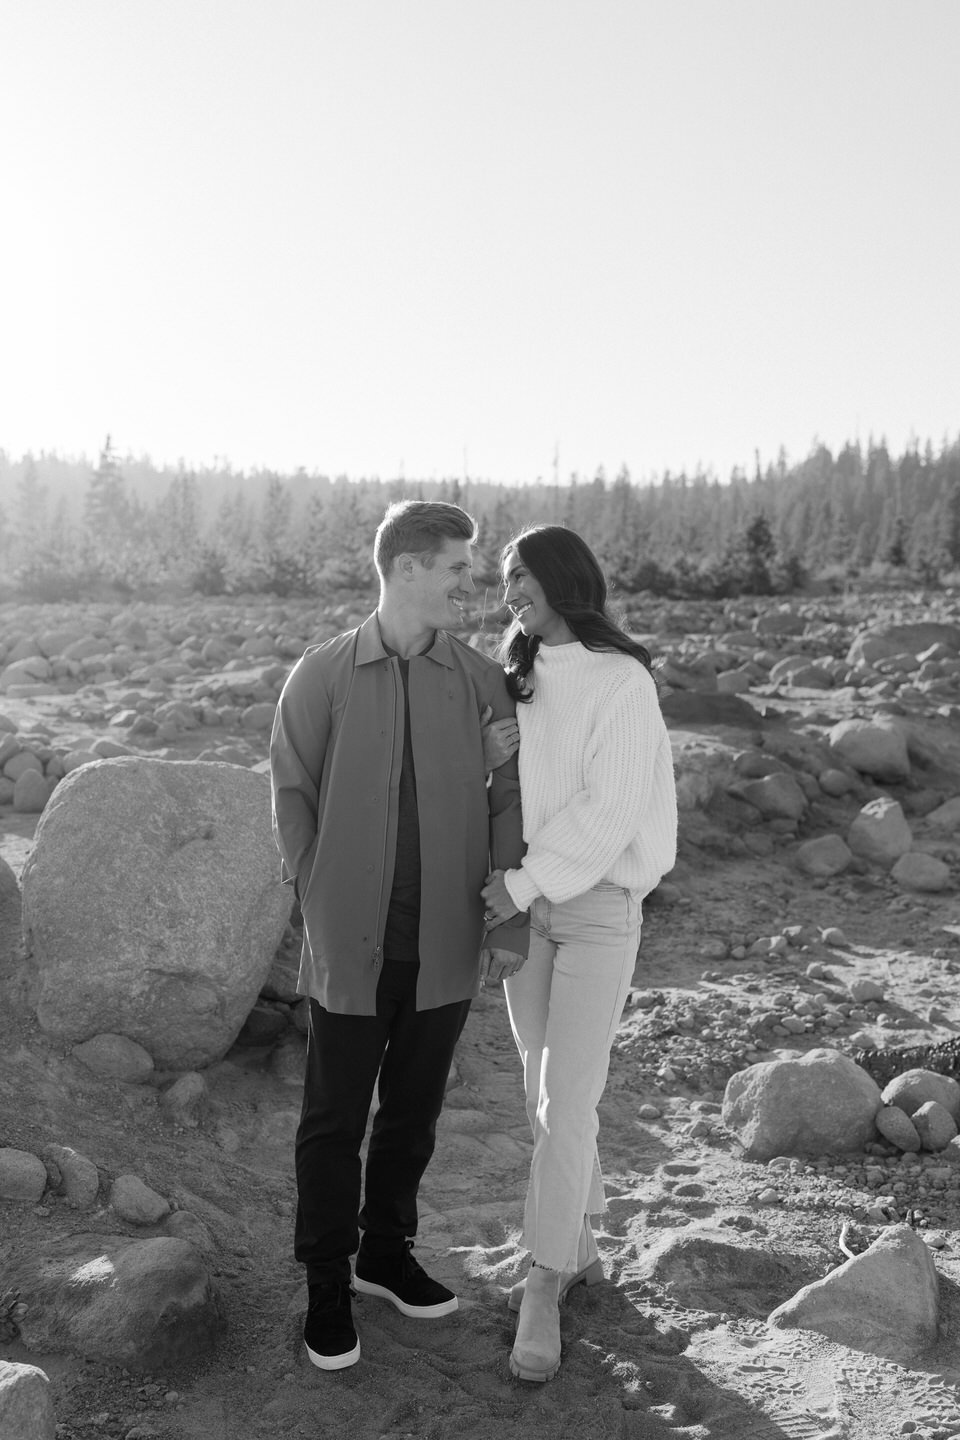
(501, 739)
(497, 965)
(497, 905)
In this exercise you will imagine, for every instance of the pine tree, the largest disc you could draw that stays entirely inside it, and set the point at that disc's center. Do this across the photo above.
(107, 520)
(896, 551)
(951, 528)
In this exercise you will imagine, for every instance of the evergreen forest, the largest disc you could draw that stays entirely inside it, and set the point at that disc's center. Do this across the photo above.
(71, 529)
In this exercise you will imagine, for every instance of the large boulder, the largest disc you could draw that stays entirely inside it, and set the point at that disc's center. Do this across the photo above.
(882, 641)
(874, 747)
(10, 918)
(144, 1304)
(690, 707)
(884, 1302)
(152, 905)
(813, 1104)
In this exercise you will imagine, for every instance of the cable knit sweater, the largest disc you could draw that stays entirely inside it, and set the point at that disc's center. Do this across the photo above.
(596, 778)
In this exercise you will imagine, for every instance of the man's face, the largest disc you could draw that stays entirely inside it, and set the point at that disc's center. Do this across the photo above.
(442, 584)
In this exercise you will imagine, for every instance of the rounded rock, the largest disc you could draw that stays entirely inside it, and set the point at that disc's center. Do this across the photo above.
(115, 1057)
(23, 1176)
(917, 871)
(896, 1126)
(26, 1404)
(136, 1202)
(835, 783)
(31, 791)
(935, 1125)
(864, 990)
(73, 1174)
(185, 1098)
(914, 1088)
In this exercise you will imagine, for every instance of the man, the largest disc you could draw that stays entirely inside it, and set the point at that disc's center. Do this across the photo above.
(387, 827)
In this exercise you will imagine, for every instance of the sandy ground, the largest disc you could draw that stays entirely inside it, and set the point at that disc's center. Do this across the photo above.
(646, 1355)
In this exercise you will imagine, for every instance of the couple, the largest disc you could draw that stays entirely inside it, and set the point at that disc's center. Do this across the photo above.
(404, 842)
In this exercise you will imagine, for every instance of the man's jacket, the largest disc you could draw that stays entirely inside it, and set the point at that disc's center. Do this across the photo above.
(335, 757)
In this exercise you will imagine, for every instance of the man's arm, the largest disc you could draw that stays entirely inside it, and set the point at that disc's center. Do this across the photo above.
(298, 746)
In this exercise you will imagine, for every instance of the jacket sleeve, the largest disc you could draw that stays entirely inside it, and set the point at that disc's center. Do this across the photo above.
(506, 823)
(298, 747)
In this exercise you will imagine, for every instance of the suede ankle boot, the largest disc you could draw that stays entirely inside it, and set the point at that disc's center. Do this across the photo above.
(536, 1350)
(589, 1269)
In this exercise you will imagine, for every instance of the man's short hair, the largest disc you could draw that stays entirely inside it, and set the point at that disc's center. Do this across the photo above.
(419, 527)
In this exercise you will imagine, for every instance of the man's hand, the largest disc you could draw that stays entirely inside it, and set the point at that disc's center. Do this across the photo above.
(497, 965)
(501, 739)
(497, 905)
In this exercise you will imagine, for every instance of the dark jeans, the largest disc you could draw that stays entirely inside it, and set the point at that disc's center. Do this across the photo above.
(411, 1051)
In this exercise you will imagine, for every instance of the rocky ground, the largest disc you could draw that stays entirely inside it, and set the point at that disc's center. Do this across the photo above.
(744, 955)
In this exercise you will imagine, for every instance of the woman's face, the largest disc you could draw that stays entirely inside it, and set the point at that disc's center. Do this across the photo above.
(525, 598)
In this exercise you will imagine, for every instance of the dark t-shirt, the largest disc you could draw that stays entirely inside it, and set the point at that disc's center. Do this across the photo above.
(401, 937)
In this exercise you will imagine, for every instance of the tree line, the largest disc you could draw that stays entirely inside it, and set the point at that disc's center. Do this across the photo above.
(69, 529)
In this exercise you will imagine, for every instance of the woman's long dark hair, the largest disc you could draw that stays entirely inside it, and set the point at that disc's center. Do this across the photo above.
(574, 586)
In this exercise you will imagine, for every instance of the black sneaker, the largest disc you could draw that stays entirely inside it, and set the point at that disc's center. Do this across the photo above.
(401, 1280)
(328, 1333)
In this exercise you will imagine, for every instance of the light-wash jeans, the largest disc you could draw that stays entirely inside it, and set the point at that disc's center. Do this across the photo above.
(565, 1005)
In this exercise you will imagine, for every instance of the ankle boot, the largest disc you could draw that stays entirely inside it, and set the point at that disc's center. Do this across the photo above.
(536, 1350)
(589, 1269)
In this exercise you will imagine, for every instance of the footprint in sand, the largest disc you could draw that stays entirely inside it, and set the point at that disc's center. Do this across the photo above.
(673, 1172)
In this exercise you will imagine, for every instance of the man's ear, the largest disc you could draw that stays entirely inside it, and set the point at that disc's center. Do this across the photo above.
(404, 565)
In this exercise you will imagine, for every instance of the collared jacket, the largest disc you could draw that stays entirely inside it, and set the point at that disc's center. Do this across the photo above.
(335, 758)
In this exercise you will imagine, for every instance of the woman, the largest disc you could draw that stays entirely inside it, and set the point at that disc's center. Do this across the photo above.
(600, 825)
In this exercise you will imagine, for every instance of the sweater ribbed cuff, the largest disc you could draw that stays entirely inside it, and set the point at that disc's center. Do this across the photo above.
(520, 888)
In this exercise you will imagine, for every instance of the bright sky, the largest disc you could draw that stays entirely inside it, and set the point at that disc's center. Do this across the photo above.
(492, 237)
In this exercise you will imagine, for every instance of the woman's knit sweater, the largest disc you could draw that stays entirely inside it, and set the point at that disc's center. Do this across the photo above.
(596, 778)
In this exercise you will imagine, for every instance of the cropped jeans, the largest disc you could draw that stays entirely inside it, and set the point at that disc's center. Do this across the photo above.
(565, 1005)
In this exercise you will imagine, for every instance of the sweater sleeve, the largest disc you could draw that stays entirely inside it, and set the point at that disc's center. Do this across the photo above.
(506, 824)
(578, 845)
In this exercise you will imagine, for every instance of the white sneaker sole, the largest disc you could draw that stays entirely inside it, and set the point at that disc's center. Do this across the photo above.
(333, 1362)
(415, 1312)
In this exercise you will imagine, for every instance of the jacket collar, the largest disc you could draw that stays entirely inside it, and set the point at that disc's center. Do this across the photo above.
(370, 645)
